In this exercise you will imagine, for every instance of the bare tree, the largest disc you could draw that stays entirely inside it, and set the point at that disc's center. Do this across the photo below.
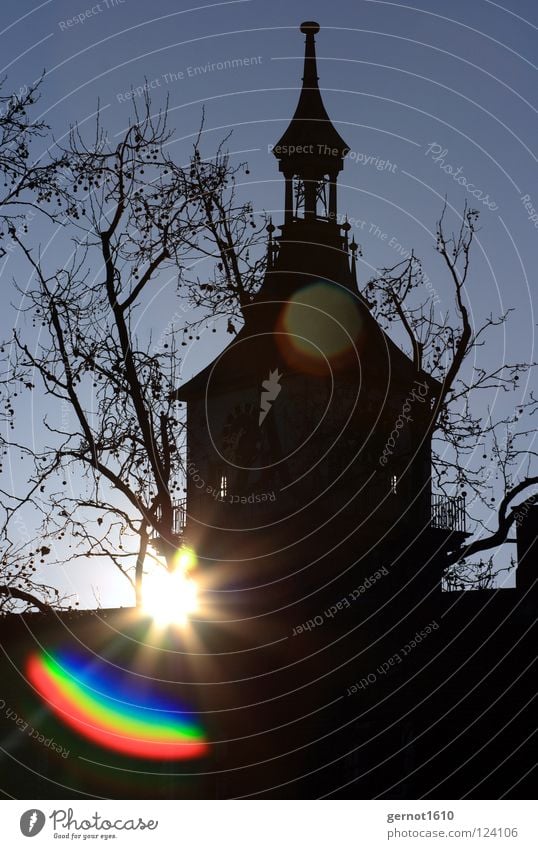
(21, 555)
(137, 219)
(474, 453)
(20, 588)
(30, 177)
(231, 241)
(30, 185)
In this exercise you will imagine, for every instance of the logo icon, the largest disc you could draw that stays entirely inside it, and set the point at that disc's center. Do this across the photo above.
(32, 822)
(271, 388)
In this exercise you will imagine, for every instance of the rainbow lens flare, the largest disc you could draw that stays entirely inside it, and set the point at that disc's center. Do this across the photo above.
(114, 713)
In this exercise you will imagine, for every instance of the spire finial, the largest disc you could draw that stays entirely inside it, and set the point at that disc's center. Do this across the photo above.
(355, 249)
(310, 76)
(346, 227)
(310, 27)
(271, 247)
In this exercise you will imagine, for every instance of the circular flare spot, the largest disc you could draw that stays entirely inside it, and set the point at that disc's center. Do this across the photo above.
(320, 328)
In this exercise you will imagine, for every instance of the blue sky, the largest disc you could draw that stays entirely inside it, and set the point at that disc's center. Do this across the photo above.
(412, 87)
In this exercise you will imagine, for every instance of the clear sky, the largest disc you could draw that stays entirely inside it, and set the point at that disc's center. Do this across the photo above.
(409, 87)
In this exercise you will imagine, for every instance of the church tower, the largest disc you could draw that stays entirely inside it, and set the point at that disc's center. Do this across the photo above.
(292, 446)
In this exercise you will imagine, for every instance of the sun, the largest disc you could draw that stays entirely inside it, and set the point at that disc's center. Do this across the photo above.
(170, 597)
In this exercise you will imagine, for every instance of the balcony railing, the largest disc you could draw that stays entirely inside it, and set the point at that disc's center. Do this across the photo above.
(179, 519)
(448, 513)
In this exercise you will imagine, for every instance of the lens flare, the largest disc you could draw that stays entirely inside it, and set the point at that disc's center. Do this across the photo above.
(185, 559)
(113, 713)
(319, 329)
(170, 597)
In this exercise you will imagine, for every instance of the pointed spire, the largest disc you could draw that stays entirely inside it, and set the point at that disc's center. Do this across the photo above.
(311, 140)
(310, 74)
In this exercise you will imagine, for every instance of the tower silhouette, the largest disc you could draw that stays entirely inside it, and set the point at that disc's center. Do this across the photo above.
(294, 431)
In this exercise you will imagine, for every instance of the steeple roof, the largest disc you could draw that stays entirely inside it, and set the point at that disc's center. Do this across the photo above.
(312, 253)
(311, 132)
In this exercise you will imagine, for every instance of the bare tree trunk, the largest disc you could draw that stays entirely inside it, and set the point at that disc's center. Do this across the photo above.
(139, 568)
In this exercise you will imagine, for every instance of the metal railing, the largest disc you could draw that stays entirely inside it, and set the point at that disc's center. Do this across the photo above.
(179, 520)
(180, 517)
(448, 512)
